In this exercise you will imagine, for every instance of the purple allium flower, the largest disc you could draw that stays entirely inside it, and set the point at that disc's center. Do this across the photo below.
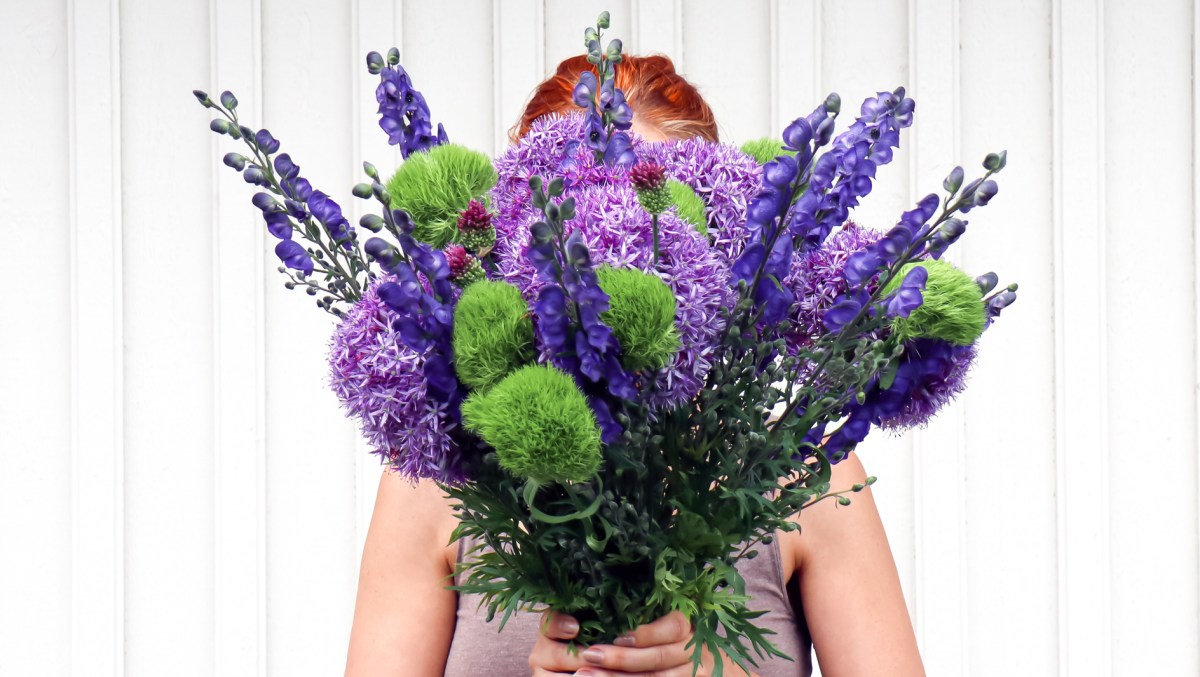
(551, 149)
(381, 382)
(723, 176)
(617, 232)
(936, 372)
(818, 281)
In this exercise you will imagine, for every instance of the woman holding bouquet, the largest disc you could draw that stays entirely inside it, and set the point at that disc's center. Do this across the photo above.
(835, 587)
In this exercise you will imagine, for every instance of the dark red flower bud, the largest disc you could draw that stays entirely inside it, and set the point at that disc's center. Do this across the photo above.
(474, 218)
(648, 176)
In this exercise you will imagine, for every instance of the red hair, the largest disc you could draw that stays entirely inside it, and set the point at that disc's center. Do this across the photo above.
(659, 96)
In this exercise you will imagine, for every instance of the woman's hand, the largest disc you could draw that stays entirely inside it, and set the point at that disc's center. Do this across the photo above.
(659, 649)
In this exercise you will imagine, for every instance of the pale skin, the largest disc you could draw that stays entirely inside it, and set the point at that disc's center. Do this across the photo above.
(404, 617)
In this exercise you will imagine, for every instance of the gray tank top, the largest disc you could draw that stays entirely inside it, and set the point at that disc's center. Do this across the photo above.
(479, 649)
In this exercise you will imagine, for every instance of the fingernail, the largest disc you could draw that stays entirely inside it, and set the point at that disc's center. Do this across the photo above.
(584, 673)
(570, 625)
(593, 656)
(625, 640)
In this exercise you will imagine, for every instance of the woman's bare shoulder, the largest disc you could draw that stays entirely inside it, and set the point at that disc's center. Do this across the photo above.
(404, 615)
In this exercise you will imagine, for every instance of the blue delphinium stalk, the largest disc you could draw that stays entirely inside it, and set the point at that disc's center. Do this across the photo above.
(606, 107)
(291, 206)
(424, 306)
(842, 176)
(766, 260)
(403, 113)
(580, 343)
(884, 398)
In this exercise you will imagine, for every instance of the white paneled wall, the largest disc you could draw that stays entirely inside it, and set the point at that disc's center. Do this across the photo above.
(179, 493)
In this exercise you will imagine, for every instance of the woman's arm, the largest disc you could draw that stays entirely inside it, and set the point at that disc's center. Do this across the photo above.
(849, 587)
(404, 617)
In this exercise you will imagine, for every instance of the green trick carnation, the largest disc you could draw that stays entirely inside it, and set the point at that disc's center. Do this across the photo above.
(642, 316)
(688, 205)
(540, 425)
(765, 149)
(952, 308)
(435, 186)
(493, 334)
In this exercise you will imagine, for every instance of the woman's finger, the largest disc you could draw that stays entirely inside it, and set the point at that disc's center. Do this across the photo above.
(669, 629)
(559, 626)
(651, 659)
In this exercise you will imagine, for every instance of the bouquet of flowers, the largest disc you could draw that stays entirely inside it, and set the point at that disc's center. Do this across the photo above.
(628, 362)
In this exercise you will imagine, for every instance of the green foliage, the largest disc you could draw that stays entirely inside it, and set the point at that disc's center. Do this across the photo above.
(434, 186)
(493, 334)
(688, 205)
(765, 149)
(952, 308)
(642, 316)
(540, 425)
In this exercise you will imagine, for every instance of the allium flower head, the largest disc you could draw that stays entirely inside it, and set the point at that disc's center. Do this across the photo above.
(932, 373)
(818, 282)
(723, 176)
(380, 382)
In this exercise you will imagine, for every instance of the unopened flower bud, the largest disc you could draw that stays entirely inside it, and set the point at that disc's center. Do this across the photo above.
(464, 268)
(374, 63)
(228, 100)
(954, 180)
(602, 21)
(234, 161)
(253, 175)
(986, 191)
(393, 56)
(362, 191)
(266, 143)
(372, 222)
(987, 282)
(220, 126)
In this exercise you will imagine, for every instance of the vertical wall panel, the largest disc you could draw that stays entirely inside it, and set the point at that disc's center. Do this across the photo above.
(519, 62)
(1010, 483)
(168, 333)
(736, 83)
(1151, 368)
(35, 383)
(1080, 329)
(96, 360)
(239, 454)
(937, 497)
(796, 33)
(311, 554)
(655, 29)
(448, 52)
